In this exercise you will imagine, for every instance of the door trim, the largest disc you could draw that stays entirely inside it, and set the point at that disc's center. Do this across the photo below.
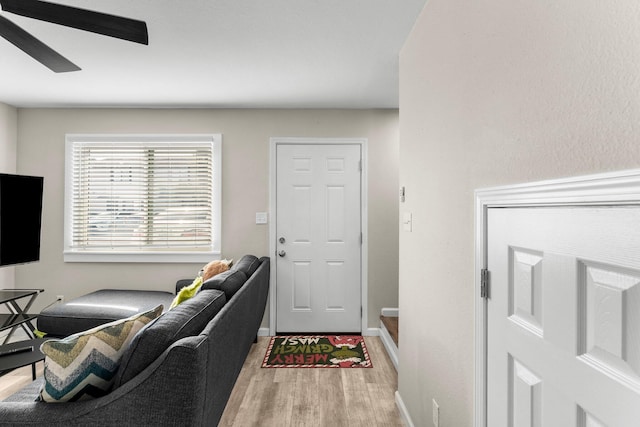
(362, 142)
(615, 188)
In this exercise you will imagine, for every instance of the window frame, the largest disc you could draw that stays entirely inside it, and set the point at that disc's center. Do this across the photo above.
(141, 256)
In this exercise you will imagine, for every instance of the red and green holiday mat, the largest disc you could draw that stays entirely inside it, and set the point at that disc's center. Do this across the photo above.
(318, 351)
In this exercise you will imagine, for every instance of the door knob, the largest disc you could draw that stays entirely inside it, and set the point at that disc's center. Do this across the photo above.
(282, 253)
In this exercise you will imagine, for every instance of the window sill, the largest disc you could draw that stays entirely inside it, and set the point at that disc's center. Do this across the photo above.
(142, 257)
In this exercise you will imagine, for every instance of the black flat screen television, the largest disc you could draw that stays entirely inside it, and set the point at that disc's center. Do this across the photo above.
(20, 218)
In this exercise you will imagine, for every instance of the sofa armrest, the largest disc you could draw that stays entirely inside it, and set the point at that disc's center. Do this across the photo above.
(170, 391)
(182, 283)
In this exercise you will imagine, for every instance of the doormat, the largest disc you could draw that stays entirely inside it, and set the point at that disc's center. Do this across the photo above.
(318, 351)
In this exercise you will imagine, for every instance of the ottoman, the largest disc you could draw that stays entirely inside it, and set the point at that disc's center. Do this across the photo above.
(97, 308)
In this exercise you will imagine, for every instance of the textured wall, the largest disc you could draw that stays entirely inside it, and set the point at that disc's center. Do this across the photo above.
(496, 92)
(245, 181)
(8, 140)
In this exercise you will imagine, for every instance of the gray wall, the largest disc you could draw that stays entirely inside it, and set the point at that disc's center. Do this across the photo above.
(8, 141)
(494, 93)
(245, 169)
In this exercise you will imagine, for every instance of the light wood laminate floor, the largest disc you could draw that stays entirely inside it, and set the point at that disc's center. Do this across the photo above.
(270, 397)
(18, 378)
(296, 397)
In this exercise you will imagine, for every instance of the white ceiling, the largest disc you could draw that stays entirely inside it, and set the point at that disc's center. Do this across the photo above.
(221, 53)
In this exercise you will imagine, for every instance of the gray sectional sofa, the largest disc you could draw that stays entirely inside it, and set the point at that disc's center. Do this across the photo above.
(179, 370)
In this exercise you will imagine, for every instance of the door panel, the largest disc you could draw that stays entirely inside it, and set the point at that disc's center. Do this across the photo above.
(564, 317)
(318, 214)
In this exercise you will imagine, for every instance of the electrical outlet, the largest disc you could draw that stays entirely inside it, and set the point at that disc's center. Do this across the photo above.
(60, 298)
(436, 413)
(407, 221)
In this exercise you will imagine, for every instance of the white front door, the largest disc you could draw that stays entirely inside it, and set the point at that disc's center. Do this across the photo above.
(318, 232)
(564, 317)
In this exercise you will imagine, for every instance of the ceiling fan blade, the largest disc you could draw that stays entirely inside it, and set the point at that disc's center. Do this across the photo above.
(82, 19)
(35, 48)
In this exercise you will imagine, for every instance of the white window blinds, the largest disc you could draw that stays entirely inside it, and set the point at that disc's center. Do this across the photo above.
(147, 194)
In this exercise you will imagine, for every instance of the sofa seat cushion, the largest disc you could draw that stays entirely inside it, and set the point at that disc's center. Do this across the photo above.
(28, 393)
(83, 366)
(186, 319)
(97, 308)
(228, 282)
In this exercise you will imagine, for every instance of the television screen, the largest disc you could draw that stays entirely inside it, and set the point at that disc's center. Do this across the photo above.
(20, 218)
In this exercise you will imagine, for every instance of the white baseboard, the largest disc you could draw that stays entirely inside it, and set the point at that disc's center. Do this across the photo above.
(389, 345)
(371, 332)
(263, 332)
(390, 312)
(404, 413)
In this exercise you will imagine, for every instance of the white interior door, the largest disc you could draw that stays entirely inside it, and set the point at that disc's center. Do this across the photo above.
(564, 317)
(318, 232)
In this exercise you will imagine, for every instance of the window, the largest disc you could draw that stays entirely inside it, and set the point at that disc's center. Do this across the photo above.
(142, 198)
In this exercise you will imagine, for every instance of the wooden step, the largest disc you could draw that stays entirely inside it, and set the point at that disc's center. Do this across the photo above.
(391, 323)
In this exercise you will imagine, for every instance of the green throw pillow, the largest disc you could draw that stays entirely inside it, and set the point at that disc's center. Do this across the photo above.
(83, 365)
(187, 292)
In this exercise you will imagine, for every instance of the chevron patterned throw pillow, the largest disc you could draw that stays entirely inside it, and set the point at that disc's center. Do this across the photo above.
(82, 366)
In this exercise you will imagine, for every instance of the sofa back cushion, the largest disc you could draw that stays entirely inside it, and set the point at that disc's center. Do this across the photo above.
(186, 319)
(248, 264)
(228, 282)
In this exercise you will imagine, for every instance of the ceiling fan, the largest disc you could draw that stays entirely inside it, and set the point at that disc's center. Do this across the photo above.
(83, 19)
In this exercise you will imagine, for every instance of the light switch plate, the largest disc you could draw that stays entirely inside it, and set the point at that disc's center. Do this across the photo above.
(261, 218)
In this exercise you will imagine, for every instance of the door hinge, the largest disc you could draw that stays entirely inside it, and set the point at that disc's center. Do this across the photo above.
(361, 238)
(360, 165)
(484, 283)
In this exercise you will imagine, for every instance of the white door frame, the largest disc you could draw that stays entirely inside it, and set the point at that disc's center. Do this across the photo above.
(620, 188)
(274, 142)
